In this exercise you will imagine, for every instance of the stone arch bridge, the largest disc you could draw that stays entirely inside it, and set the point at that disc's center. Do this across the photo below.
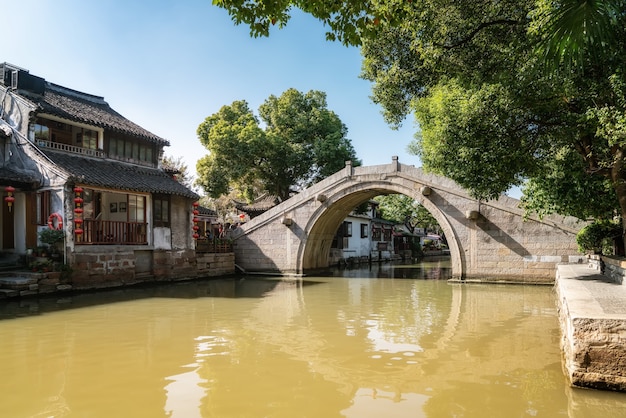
(486, 239)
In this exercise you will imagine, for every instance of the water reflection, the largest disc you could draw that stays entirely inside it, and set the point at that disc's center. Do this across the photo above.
(321, 347)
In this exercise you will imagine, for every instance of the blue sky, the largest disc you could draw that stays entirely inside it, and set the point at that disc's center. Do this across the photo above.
(167, 65)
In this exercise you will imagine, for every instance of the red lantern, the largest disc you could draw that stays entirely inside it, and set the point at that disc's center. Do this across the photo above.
(195, 227)
(196, 220)
(196, 212)
(78, 200)
(78, 231)
(196, 236)
(195, 204)
(78, 189)
(9, 199)
(78, 210)
(78, 221)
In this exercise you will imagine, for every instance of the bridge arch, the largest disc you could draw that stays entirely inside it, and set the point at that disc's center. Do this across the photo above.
(486, 239)
(323, 224)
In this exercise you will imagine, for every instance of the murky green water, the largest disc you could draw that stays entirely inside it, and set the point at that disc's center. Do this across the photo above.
(377, 343)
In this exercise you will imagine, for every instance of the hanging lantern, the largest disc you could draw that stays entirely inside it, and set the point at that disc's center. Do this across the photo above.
(9, 198)
(78, 220)
(195, 220)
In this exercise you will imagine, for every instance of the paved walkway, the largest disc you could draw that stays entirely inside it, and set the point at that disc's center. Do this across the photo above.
(590, 294)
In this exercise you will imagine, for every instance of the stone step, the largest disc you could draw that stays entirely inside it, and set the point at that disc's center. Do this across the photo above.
(8, 293)
(17, 283)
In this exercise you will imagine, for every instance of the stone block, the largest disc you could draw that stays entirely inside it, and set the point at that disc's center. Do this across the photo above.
(25, 293)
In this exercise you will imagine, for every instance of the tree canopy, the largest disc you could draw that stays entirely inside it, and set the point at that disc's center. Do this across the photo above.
(294, 142)
(404, 210)
(504, 91)
(178, 166)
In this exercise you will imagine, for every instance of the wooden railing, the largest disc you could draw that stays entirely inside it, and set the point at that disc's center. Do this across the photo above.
(113, 233)
(71, 148)
(90, 152)
(213, 246)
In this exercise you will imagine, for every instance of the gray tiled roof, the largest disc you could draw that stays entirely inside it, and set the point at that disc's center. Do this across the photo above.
(206, 211)
(10, 177)
(117, 175)
(89, 109)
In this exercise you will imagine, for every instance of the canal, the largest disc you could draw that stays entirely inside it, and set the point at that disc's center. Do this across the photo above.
(386, 341)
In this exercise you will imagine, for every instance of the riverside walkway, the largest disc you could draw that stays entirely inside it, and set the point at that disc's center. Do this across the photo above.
(592, 313)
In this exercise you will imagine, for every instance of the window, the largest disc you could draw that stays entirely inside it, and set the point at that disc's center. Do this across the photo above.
(128, 151)
(136, 208)
(376, 234)
(87, 139)
(161, 210)
(347, 229)
(42, 133)
(364, 230)
(42, 207)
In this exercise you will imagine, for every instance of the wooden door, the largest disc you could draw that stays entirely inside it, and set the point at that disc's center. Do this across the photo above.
(8, 227)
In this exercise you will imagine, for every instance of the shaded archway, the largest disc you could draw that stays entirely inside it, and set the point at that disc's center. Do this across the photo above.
(322, 226)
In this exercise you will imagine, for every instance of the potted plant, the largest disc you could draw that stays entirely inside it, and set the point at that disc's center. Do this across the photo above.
(52, 238)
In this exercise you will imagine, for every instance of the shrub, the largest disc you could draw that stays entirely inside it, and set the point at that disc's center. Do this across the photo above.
(51, 237)
(598, 236)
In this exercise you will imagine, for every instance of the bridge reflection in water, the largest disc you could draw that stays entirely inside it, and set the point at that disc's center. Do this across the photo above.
(357, 346)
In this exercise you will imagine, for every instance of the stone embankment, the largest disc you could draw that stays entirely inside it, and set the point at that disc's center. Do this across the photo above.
(592, 312)
(112, 270)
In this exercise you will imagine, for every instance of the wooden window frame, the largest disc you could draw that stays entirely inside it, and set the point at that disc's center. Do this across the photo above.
(42, 207)
(159, 202)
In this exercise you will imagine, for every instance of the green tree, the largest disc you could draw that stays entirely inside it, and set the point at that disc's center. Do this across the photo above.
(178, 167)
(402, 209)
(504, 90)
(493, 114)
(300, 143)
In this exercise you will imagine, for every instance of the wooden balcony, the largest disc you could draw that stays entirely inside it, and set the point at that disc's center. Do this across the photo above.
(71, 148)
(113, 233)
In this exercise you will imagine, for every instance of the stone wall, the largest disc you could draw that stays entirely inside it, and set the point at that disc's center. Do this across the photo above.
(120, 266)
(614, 267)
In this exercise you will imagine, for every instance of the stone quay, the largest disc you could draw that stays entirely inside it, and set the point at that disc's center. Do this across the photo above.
(592, 312)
